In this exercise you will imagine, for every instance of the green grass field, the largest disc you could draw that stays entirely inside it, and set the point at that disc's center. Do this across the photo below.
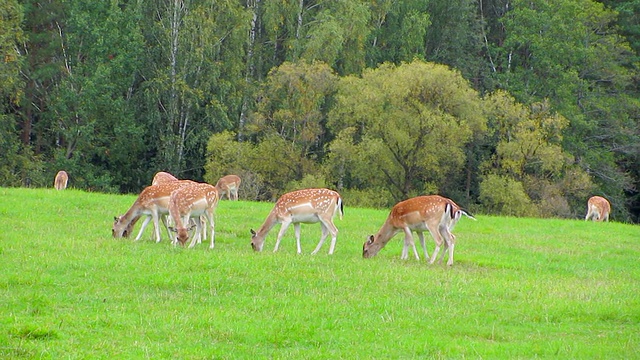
(519, 288)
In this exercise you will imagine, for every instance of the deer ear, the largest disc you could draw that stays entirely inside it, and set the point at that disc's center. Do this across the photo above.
(370, 241)
(253, 233)
(172, 229)
(191, 227)
(115, 218)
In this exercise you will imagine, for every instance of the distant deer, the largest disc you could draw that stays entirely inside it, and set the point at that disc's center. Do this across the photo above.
(598, 209)
(229, 185)
(60, 183)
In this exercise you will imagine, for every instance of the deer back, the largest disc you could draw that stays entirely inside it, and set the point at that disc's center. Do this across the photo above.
(307, 201)
(162, 177)
(60, 182)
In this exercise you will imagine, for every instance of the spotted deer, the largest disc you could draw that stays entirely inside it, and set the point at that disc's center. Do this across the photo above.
(302, 206)
(598, 209)
(162, 177)
(193, 200)
(432, 213)
(229, 185)
(153, 201)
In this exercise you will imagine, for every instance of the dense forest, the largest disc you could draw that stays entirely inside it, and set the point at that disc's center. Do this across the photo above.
(513, 107)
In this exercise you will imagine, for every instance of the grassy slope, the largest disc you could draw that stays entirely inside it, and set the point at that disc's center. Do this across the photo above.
(519, 288)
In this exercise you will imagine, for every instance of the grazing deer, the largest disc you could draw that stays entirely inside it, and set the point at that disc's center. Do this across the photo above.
(302, 206)
(229, 185)
(153, 201)
(160, 177)
(432, 213)
(163, 177)
(60, 183)
(196, 199)
(598, 209)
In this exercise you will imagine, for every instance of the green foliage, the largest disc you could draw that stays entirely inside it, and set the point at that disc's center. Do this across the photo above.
(408, 124)
(584, 68)
(12, 161)
(529, 153)
(11, 35)
(120, 90)
(453, 37)
(307, 182)
(399, 31)
(372, 198)
(224, 156)
(505, 196)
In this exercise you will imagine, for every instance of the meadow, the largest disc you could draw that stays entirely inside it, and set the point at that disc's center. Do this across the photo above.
(519, 289)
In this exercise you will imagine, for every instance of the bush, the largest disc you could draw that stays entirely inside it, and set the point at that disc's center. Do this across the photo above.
(502, 195)
(369, 198)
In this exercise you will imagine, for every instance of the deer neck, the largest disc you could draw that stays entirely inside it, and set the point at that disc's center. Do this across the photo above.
(268, 224)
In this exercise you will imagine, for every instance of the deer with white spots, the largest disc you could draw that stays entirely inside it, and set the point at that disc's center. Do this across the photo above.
(162, 177)
(302, 206)
(153, 201)
(193, 200)
(432, 213)
(598, 209)
(229, 185)
(60, 182)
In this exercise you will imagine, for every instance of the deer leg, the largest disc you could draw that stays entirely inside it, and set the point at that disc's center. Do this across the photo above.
(165, 221)
(332, 247)
(154, 215)
(144, 225)
(186, 221)
(283, 229)
(334, 237)
(203, 228)
(405, 248)
(325, 232)
(424, 245)
(438, 241)
(408, 240)
(199, 230)
(327, 228)
(212, 233)
(449, 242)
(173, 236)
(451, 246)
(296, 228)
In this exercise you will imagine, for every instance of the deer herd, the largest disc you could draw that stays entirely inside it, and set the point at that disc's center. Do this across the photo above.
(182, 205)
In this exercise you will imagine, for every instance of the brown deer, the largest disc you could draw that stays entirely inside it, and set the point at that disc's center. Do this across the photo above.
(302, 206)
(193, 200)
(598, 209)
(229, 185)
(162, 177)
(432, 213)
(153, 201)
(60, 182)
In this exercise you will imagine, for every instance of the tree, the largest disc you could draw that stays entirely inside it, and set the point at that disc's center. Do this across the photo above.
(292, 106)
(409, 125)
(453, 37)
(582, 67)
(194, 78)
(12, 161)
(399, 31)
(529, 159)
